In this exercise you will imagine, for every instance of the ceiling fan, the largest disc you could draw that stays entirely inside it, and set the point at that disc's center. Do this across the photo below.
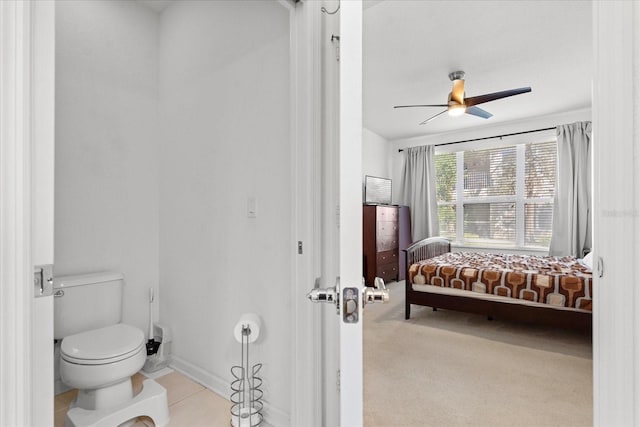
(458, 104)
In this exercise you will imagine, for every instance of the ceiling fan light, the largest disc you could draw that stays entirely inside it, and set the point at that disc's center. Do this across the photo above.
(456, 110)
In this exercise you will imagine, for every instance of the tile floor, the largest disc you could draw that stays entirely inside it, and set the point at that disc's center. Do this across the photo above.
(190, 404)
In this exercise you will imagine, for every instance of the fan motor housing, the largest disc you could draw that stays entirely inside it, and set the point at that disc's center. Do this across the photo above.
(456, 75)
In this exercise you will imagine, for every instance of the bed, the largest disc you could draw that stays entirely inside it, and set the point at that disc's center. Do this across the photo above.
(546, 290)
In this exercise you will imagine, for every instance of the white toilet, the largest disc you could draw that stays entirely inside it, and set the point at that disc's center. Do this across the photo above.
(98, 354)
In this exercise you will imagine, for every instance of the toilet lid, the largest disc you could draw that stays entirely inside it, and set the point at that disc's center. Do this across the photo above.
(104, 345)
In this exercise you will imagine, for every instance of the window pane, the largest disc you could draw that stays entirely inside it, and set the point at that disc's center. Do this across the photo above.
(540, 169)
(537, 224)
(446, 177)
(447, 219)
(490, 172)
(490, 176)
(490, 223)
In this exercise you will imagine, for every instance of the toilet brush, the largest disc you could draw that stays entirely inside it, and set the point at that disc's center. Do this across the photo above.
(152, 344)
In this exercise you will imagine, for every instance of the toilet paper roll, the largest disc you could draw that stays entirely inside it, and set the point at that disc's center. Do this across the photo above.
(253, 322)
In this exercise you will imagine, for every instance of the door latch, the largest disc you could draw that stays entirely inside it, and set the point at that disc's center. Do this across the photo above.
(350, 305)
(42, 280)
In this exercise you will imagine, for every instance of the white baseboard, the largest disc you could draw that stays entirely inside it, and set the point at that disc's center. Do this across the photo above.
(273, 416)
(157, 374)
(196, 373)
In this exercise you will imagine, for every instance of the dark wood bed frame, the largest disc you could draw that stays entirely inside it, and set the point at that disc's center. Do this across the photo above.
(434, 246)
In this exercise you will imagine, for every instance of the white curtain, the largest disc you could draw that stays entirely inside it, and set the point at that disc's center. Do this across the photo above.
(419, 191)
(571, 232)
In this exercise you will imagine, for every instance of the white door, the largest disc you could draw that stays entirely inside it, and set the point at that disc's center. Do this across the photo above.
(350, 136)
(26, 202)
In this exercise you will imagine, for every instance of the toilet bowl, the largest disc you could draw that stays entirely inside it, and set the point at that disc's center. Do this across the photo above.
(100, 363)
(99, 354)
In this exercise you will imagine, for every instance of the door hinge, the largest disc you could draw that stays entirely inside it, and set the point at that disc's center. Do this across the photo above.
(600, 267)
(336, 39)
(42, 280)
(338, 380)
(299, 247)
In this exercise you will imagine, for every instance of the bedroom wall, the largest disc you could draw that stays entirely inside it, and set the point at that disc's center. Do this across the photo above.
(375, 156)
(224, 96)
(106, 190)
(552, 120)
(376, 160)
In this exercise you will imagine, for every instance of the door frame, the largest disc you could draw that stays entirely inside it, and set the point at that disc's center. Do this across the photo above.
(305, 178)
(15, 213)
(26, 209)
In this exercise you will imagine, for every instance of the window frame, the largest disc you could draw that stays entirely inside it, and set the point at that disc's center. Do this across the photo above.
(518, 198)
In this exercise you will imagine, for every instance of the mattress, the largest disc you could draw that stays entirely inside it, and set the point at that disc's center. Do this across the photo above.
(561, 282)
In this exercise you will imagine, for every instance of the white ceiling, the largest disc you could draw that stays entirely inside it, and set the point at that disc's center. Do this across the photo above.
(410, 47)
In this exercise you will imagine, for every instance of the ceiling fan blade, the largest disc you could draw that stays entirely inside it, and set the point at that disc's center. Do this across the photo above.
(481, 99)
(433, 117)
(429, 105)
(457, 93)
(479, 112)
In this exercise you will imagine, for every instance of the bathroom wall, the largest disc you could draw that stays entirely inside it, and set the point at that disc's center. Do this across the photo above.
(106, 189)
(224, 96)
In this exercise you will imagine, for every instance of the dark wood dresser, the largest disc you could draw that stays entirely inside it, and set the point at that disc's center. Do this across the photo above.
(380, 243)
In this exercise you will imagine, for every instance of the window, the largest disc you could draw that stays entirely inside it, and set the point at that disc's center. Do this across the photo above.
(497, 197)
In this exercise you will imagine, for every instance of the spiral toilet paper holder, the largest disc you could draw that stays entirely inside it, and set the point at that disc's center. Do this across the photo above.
(246, 385)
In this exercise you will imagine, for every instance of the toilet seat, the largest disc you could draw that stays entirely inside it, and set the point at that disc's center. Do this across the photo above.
(102, 346)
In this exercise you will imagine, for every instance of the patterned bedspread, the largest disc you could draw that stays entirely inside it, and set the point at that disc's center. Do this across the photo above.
(556, 281)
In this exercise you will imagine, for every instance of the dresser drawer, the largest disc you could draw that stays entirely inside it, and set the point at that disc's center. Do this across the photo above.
(386, 243)
(386, 228)
(387, 257)
(386, 213)
(387, 272)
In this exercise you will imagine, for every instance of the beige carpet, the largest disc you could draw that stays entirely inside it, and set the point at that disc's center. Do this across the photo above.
(446, 368)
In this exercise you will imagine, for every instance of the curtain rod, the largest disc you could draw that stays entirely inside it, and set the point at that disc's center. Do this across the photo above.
(489, 137)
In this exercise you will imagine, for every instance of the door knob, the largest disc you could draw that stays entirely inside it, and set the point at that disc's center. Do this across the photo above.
(326, 295)
(379, 293)
(322, 295)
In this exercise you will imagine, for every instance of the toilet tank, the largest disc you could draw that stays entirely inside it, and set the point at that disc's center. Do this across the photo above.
(85, 302)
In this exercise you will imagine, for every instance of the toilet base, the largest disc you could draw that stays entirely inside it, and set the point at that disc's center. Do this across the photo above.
(105, 397)
(150, 402)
